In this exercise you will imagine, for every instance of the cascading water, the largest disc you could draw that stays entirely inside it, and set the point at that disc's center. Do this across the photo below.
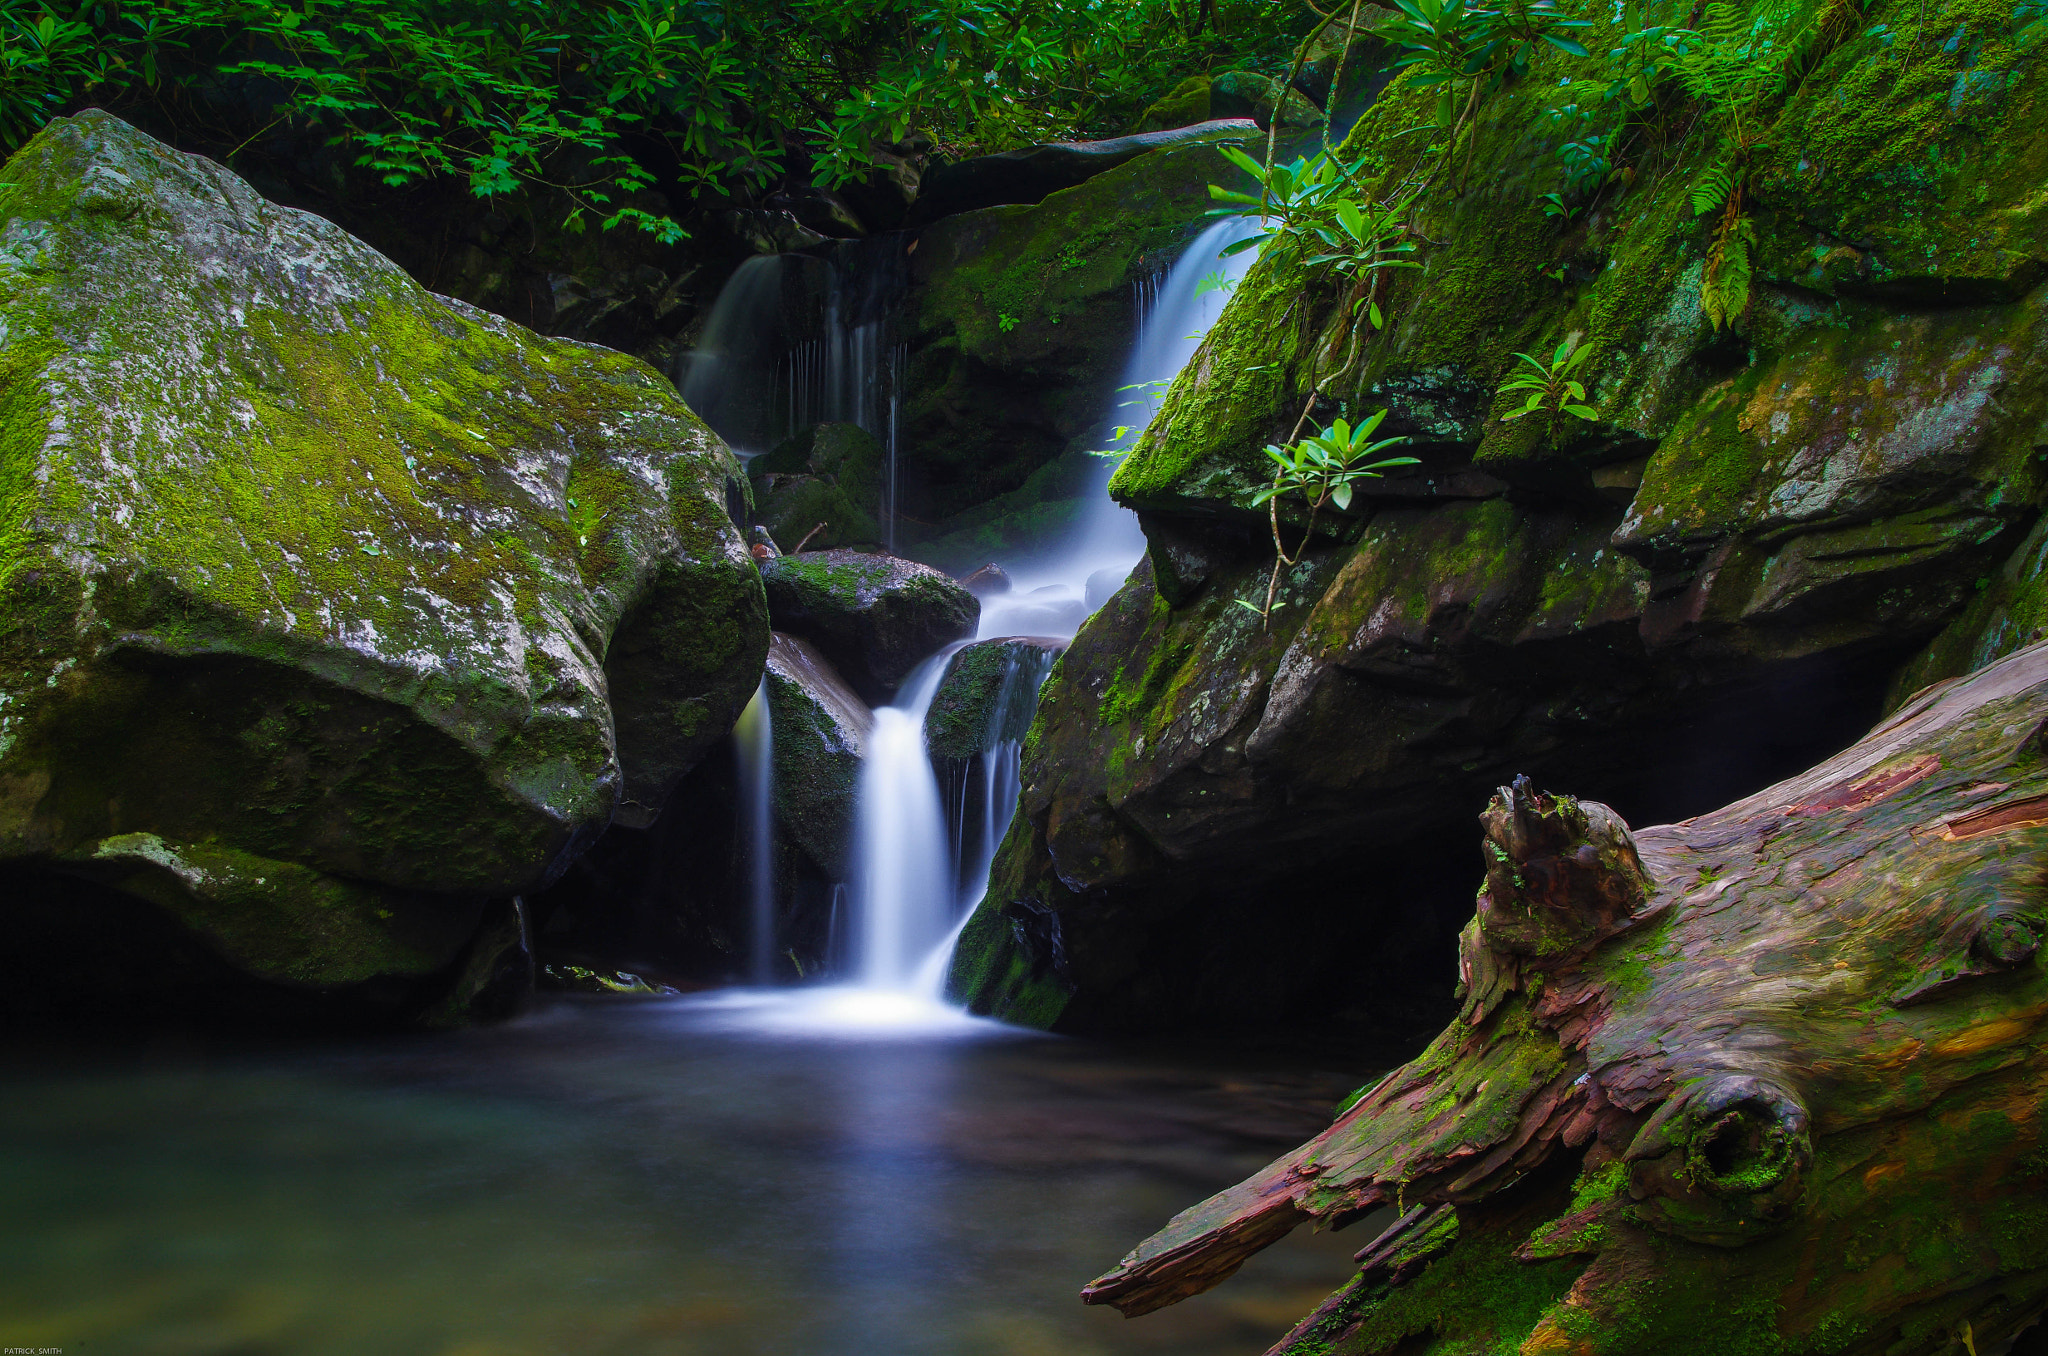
(1055, 590)
(903, 888)
(997, 775)
(914, 879)
(915, 883)
(755, 737)
(721, 378)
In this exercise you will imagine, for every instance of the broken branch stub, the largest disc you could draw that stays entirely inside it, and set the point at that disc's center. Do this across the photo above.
(1561, 873)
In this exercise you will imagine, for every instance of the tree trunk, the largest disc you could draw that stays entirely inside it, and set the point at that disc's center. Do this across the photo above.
(1769, 1080)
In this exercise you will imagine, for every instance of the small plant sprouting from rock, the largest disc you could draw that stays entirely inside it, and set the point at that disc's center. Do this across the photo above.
(1321, 469)
(1474, 50)
(1552, 388)
(1293, 199)
(1153, 392)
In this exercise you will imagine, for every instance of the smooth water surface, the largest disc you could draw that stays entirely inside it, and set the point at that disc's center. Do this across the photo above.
(726, 1173)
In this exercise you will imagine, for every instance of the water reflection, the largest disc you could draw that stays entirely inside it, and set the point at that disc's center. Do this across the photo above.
(704, 1175)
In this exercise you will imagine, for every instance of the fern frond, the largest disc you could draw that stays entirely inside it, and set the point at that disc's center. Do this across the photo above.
(1713, 186)
(1724, 288)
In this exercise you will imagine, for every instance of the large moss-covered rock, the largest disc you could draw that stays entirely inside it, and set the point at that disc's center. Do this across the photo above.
(874, 617)
(1711, 584)
(321, 595)
(1035, 172)
(821, 729)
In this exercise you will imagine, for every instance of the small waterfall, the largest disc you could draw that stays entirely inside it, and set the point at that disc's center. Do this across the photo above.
(904, 898)
(1056, 590)
(795, 340)
(756, 739)
(985, 795)
(721, 379)
(984, 791)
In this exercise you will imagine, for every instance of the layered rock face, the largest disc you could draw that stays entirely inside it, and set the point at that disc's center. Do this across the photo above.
(1714, 582)
(332, 607)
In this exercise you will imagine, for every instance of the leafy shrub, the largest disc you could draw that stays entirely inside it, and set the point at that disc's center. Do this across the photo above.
(599, 99)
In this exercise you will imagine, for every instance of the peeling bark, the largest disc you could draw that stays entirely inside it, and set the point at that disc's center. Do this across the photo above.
(1772, 1079)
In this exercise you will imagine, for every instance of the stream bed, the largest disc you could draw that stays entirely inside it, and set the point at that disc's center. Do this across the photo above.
(727, 1173)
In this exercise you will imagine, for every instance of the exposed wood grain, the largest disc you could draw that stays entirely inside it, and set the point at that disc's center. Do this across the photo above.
(1751, 1040)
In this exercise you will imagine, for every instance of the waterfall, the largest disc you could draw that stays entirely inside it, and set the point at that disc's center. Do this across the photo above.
(903, 880)
(756, 739)
(986, 791)
(794, 341)
(979, 827)
(915, 880)
(1056, 590)
(721, 377)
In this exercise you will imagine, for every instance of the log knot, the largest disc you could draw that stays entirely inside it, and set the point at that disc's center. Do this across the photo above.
(1561, 874)
(1723, 1162)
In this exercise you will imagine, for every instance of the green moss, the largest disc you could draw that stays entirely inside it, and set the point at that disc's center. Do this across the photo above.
(297, 573)
(280, 921)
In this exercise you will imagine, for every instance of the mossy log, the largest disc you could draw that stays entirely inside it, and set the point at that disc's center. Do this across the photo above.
(1768, 1080)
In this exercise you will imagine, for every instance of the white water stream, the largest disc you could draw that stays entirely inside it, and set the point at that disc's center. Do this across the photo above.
(913, 882)
(903, 881)
(755, 736)
(1055, 590)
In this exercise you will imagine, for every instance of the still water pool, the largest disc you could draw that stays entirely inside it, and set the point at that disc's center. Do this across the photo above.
(722, 1174)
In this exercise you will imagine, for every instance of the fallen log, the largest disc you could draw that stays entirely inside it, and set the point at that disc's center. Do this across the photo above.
(1769, 1080)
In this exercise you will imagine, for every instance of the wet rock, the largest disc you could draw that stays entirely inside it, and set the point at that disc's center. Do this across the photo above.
(1247, 94)
(1102, 585)
(568, 977)
(335, 607)
(812, 512)
(1021, 321)
(990, 581)
(873, 617)
(973, 709)
(822, 486)
(1035, 173)
(1229, 96)
(1713, 582)
(821, 727)
(496, 978)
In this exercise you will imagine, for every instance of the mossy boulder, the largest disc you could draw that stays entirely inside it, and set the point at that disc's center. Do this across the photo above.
(874, 617)
(978, 702)
(821, 728)
(1183, 106)
(1231, 94)
(1247, 94)
(1713, 583)
(1031, 174)
(330, 606)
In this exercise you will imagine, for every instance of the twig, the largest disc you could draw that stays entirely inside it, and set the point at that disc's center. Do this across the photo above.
(807, 537)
